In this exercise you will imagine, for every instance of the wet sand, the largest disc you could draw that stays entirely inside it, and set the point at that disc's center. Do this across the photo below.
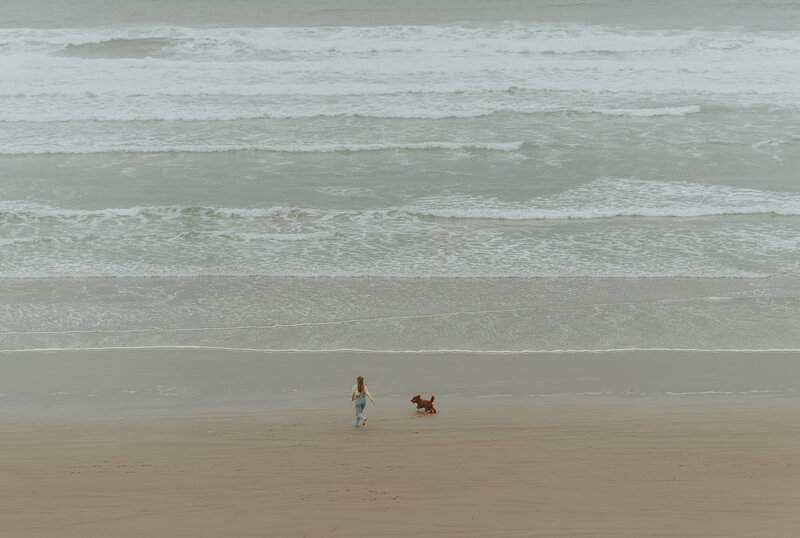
(167, 382)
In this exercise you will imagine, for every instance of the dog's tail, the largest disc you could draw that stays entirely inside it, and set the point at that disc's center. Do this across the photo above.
(433, 398)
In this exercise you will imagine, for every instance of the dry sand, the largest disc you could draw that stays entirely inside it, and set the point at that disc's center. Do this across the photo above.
(719, 466)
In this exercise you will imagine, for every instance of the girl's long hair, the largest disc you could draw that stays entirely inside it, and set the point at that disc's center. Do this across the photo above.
(360, 381)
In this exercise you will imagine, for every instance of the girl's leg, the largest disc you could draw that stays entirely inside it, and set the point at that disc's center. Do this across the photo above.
(359, 414)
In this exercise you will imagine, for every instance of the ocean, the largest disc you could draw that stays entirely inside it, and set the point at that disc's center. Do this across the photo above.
(412, 176)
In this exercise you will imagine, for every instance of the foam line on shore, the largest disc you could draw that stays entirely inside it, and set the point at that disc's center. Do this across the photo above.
(404, 351)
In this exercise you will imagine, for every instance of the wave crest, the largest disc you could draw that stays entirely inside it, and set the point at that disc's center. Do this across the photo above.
(601, 198)
(609, 198)
(277, 148)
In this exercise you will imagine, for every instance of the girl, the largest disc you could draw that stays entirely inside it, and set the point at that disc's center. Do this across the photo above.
(359, 394)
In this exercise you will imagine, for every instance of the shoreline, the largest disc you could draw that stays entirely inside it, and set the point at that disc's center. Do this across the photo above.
(181, 382)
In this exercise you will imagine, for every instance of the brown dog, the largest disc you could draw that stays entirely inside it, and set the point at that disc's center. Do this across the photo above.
(424, 404)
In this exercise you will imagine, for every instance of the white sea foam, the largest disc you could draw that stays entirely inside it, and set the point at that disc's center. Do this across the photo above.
(399, 106)
(507, 37)
(345, 77)
(555, 351)
(352, 60)
(276, 148)
(169, 73)
(649, 112)
(598, 199)
(16, 212)
(608, 198)
(455, 236)
(547, 38)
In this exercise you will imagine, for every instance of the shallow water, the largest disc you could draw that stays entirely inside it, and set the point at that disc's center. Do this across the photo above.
(528, 177)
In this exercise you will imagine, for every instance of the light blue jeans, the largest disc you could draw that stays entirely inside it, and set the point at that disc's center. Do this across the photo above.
(361, 402)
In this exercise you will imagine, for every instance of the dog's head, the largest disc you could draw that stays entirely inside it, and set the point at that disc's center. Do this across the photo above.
(415, 399)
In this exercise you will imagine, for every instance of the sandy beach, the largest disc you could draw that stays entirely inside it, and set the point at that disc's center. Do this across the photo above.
(582, 467)
(293, 464)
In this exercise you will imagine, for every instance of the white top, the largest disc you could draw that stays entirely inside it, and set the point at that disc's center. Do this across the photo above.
(355, 393)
